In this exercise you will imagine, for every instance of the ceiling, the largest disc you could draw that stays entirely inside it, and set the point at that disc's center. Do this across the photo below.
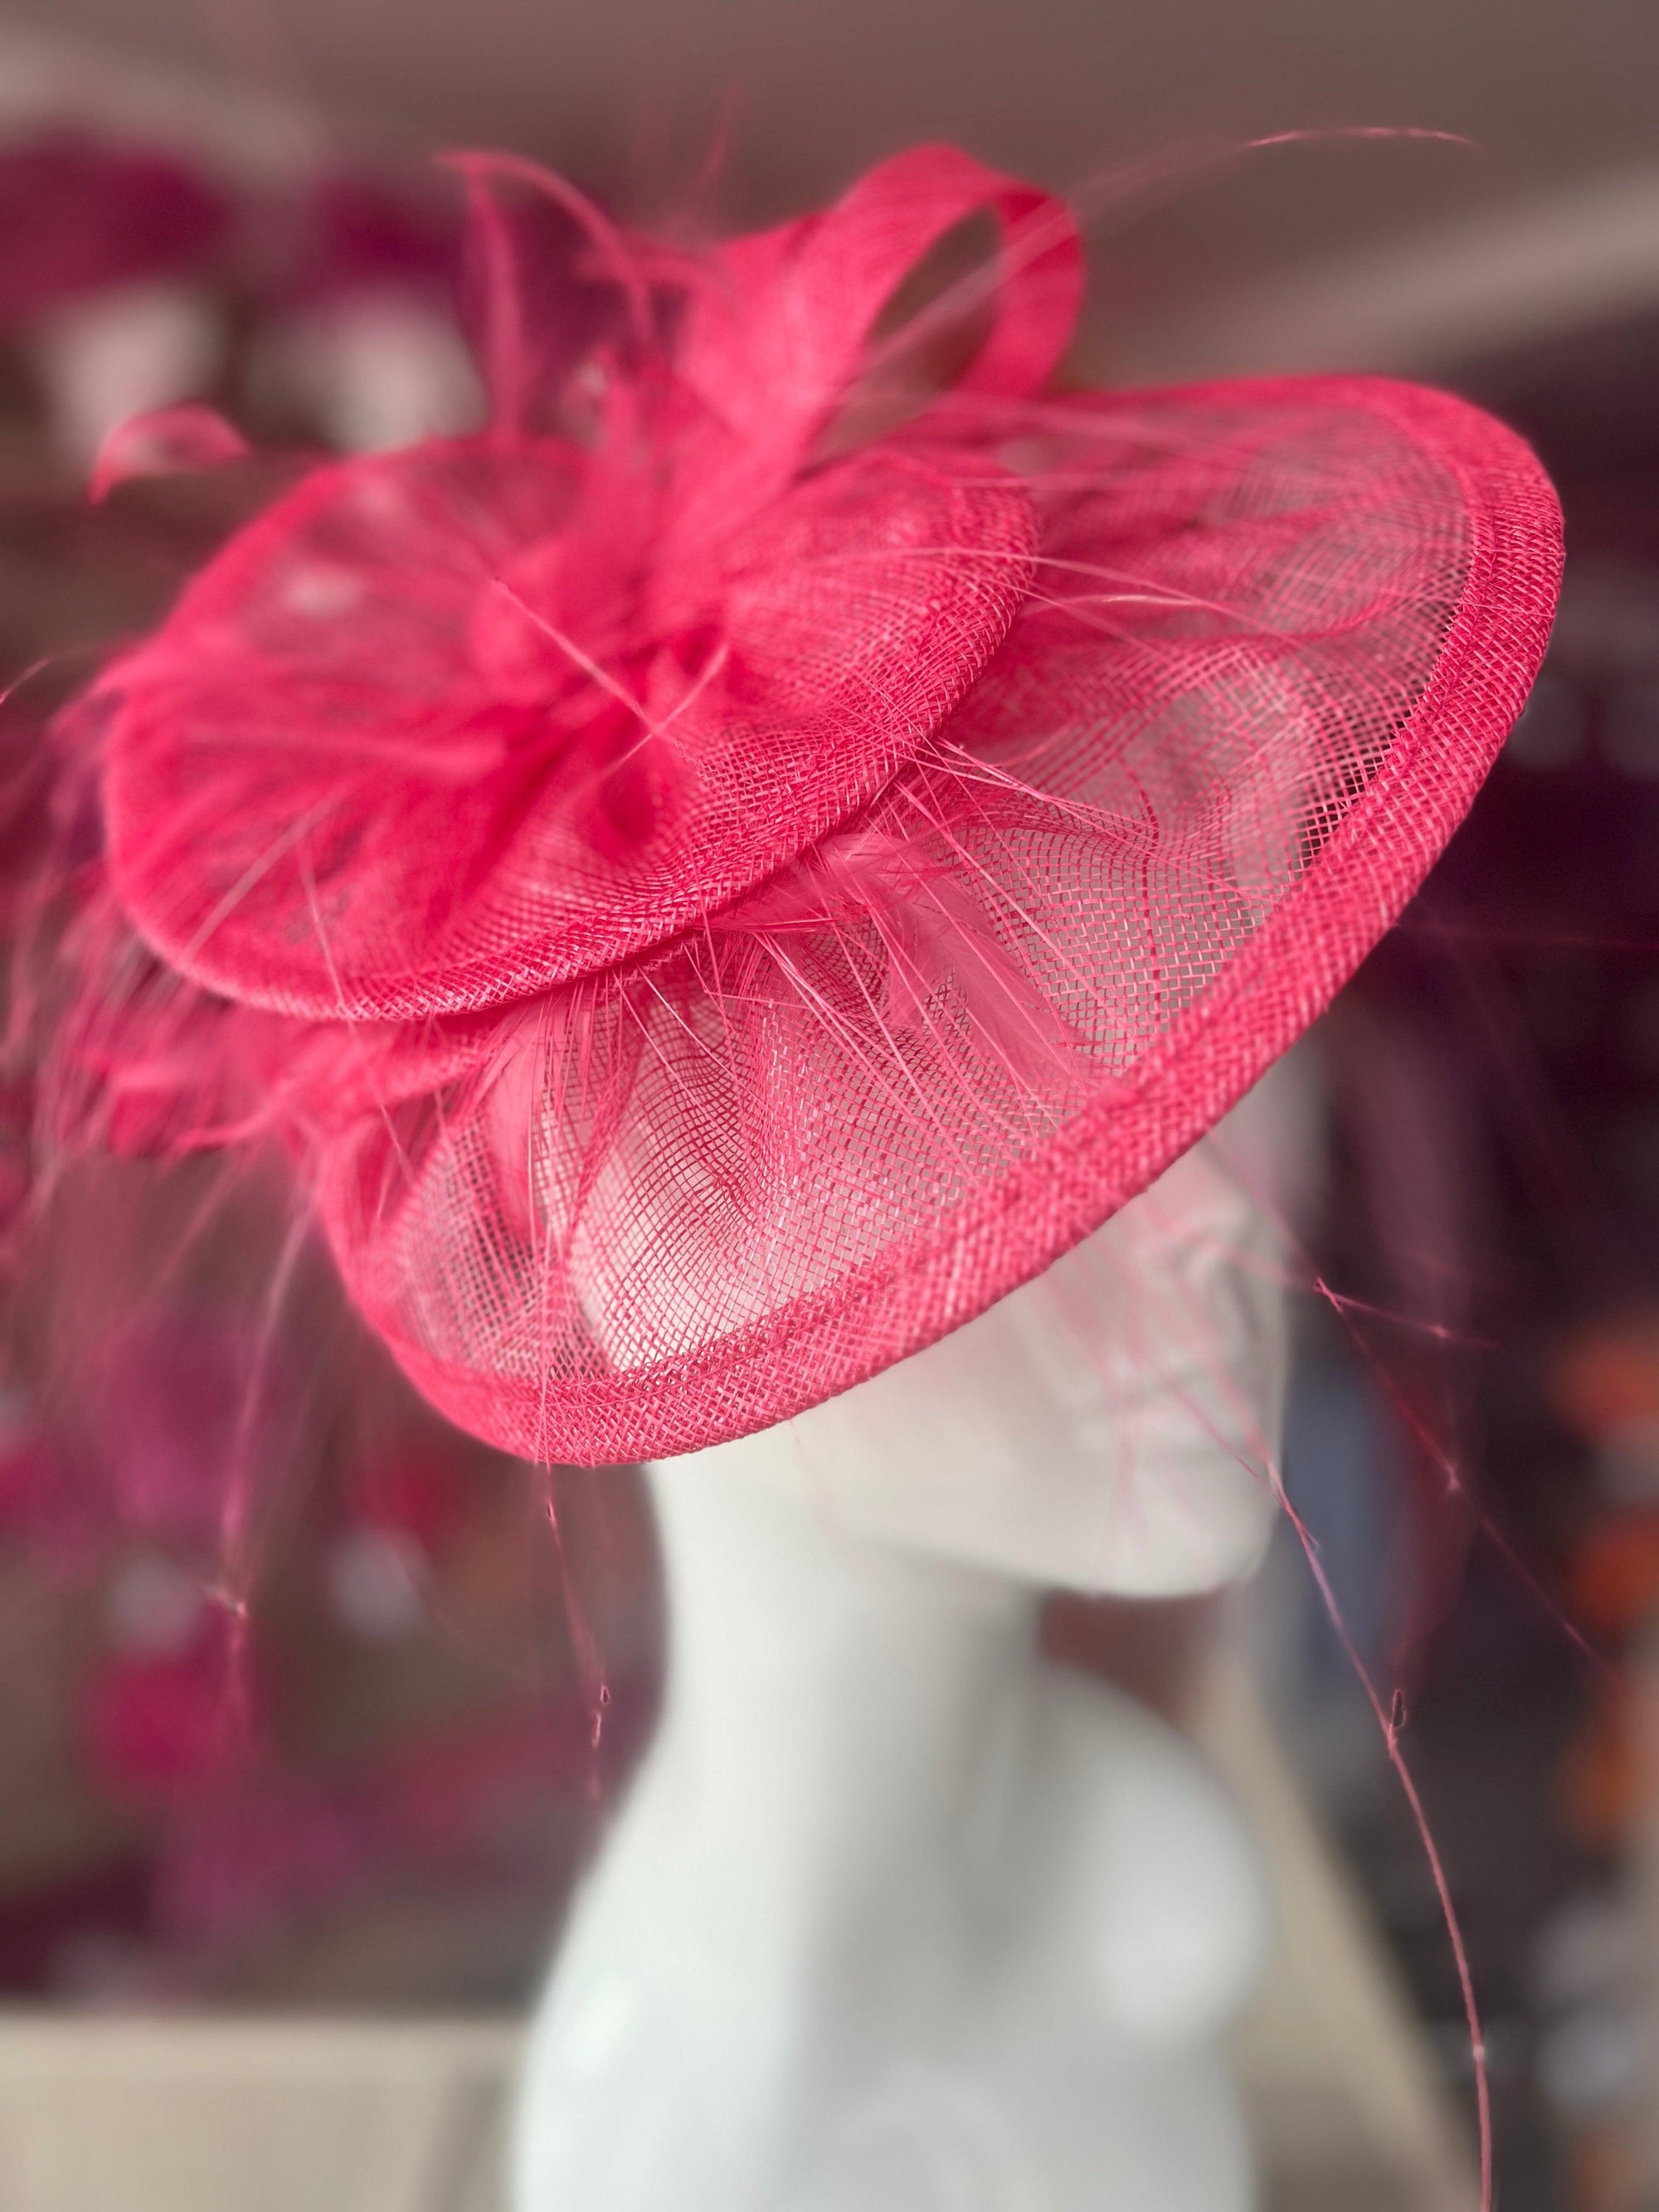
(633, 92)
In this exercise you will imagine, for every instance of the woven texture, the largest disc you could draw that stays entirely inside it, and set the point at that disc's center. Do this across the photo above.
(718, 897)
(395, 664)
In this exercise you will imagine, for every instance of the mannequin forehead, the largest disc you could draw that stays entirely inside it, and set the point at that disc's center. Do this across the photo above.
(1110, 1427)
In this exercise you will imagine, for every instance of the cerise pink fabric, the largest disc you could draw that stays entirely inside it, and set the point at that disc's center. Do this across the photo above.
(726, 873)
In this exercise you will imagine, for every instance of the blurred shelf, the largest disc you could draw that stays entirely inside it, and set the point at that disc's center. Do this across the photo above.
(156, 2115)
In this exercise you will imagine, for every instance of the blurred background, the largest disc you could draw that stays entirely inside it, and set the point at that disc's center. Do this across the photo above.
(311, 1712)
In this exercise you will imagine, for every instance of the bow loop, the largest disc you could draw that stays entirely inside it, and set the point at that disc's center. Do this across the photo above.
(781, 332)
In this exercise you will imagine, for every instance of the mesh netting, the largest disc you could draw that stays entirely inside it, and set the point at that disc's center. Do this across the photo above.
(739, 938)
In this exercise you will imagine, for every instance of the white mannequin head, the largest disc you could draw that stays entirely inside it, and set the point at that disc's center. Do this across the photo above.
(895, 1914)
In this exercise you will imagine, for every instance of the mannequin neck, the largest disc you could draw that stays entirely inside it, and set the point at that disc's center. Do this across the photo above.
(847, 1695)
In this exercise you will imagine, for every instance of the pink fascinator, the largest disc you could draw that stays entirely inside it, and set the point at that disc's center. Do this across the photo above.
(728, 872)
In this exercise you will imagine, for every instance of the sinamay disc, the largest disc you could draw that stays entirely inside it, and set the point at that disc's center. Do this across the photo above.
(718, 916)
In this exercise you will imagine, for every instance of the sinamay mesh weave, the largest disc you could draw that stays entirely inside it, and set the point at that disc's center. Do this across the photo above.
(715, 900)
